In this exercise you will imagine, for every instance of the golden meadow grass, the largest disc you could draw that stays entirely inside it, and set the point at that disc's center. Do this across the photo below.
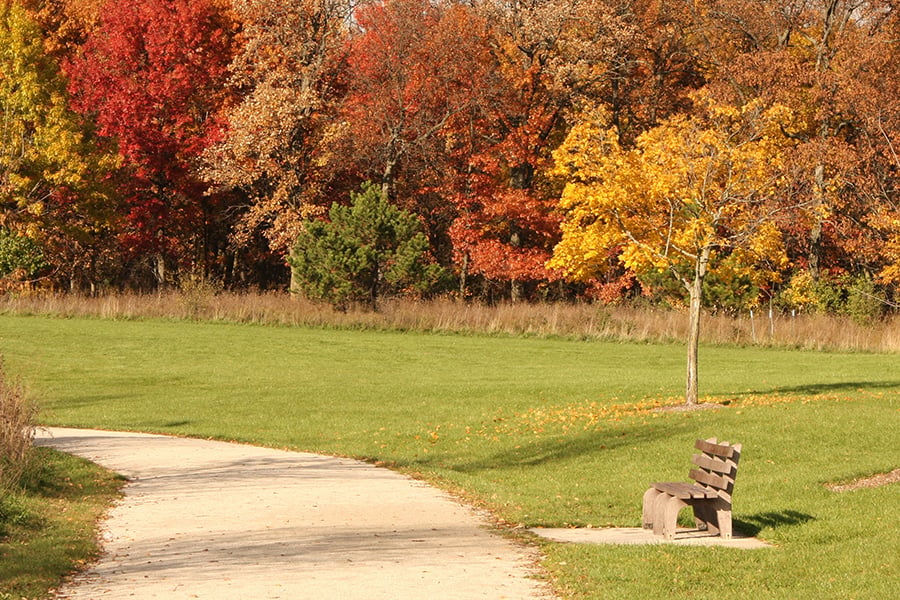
(443, 315)
(17, 416)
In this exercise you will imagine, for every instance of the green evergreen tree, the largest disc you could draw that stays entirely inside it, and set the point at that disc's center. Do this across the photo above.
(366, 250)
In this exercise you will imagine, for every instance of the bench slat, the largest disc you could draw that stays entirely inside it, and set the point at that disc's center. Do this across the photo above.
(711, 447)
(711, 479)
(684, 490)
(713, 464)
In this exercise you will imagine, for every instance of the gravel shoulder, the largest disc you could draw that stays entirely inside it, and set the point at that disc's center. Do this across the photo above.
(206, 519)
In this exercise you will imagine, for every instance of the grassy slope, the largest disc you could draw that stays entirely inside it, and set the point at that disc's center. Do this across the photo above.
(48, 528)
(544, 431)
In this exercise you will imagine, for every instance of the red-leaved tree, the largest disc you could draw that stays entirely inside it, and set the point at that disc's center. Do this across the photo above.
(451, 131)
(152, 75)
(414, 74)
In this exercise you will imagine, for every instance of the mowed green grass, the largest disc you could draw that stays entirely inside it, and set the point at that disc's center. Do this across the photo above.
(545, 432)
(47, 527)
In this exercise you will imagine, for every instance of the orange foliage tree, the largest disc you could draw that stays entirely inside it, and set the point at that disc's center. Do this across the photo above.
(827, 60)
(285, 75)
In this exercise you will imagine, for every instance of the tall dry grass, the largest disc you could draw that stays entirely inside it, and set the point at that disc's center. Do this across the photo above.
(17, 427)
(578, 320)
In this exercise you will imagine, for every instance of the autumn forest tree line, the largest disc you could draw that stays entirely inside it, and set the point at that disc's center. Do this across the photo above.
(735, 151)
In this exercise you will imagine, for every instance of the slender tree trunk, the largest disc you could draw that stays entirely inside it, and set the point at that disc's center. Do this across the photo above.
(373, 289)
(294, 288)
(815, 232)
(160, 272)
(387, 176)
(92, 273)
(695, 292)
(834, 18)
(463, 275)
(515, 292)
(691, 391)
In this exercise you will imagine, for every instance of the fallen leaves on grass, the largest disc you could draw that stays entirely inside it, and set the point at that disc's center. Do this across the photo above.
(593, 415)
(596, 415)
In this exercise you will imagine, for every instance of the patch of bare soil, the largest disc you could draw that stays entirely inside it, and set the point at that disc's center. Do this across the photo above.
(867, 482)
(687, 407)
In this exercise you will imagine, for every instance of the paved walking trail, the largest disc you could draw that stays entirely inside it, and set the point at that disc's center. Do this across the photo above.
(204, 519)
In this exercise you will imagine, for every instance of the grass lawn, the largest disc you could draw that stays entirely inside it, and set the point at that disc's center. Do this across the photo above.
(47, 528)
(544, 432)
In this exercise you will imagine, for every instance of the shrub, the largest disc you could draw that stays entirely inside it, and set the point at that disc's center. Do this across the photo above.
(856, 297)
(865, 302)
(19, 255)
(799, 294)
(17, 427)
(197, 294)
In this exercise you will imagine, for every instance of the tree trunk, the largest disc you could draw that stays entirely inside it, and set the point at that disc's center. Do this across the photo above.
(695, 292)
(464, 275)
(691, 392)
(515, 291)
(294, 288)
(834, 18)
(387, 176)
(160, 271)
(373, 287)
(815, 232)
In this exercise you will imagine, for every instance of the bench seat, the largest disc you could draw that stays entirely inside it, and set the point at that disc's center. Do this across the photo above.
(684, 490)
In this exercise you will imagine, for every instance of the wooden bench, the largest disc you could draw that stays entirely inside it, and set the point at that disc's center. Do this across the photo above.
(709, 496)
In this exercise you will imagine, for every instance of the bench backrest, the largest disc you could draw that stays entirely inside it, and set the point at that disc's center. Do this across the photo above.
(716, 466)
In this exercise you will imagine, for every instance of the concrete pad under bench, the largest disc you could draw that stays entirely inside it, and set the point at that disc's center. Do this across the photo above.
(639, 536)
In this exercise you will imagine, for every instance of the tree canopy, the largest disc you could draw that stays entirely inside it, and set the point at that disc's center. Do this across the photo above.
(153, 140)
(51, 174)
(152, 77)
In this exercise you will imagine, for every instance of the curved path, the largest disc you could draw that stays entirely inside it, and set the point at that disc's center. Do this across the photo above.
(204, 519)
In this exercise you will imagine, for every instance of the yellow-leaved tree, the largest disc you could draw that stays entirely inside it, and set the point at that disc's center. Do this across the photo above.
(52, 193)
(696, 193)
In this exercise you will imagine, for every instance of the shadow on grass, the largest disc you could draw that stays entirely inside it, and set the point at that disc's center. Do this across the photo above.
(91, 400)
(753, 524)
(562, 448)
(824, 388)
(53, 474)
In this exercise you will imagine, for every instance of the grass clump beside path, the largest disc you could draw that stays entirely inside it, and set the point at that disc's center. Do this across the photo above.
(547, 432)
(47, 526)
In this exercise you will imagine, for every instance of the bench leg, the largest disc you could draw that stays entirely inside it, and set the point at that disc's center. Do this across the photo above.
(714, 516)
(650, 497)
(723, 518)
(705, 517)
(665, 515)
